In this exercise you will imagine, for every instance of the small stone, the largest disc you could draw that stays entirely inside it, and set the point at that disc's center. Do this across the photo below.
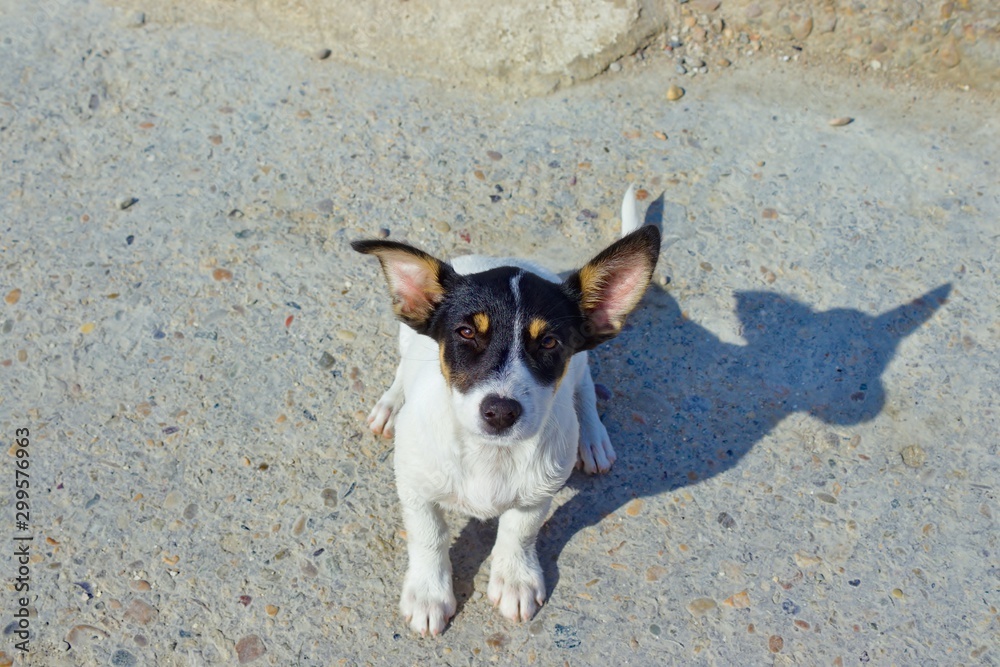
(326, 361)
(323, 54)
(675, 93)
(769, 214)
(680, 69)
(803, 559)
(442, 226)
(615, 66)
(222, 274)
(660, 135)
(87, 328)
(726, 521)
(701, 606)
(723, 62)
(693, 62)
(634, 508)
(898, 593)
(497, 640)
(949, 55)
(383, 232)
(271, 610)
(140, 613)
(122, 658)
(827, 22)
(346, 334)
(706, 266)
(826, 498)
(249, 649)
(655, 572)
(775, 643)
(127, 202)
(739, 600)
(13, 296)
(494, 155)
(840, 121)
(603, 393)
(802, 28)
(754, 11)
(140, 585)
(913, 456)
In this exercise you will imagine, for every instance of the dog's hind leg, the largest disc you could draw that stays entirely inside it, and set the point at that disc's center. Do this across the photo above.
(596, 454)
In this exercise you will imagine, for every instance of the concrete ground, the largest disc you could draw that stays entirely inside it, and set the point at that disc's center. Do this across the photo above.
(804, 407)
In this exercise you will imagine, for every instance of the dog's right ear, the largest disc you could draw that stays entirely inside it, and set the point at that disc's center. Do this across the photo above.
(417, 281)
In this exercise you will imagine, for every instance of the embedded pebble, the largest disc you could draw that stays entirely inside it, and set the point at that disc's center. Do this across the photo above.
(726, 521)
(346, 334)
(802, 28)
(222, 274)
(383, 232)
(739, 600)
(326, 360)
(442, 226)
(494, 155)
(841, 121)
(139, 612)
(603, 393)
(122, 658)
(949, 55)
(249, 648)
(323, 54)
(775, 643)
(701, 606)
(13, 296)
(675, 93)
(913, 456)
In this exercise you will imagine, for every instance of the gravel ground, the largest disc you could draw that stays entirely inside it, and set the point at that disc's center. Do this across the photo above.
(804, 408)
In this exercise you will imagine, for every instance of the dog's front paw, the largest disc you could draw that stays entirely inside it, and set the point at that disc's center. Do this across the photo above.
(382, 418)
(595, 454)
(517, 587)
(427, 602)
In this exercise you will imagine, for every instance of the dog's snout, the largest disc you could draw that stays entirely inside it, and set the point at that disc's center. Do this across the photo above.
(499, 413)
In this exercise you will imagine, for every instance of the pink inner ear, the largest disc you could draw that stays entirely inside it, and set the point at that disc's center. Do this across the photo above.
(414, 284)
(621, 288)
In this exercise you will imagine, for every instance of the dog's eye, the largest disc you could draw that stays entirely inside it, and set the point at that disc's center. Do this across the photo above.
(548, 342)
(466, 332)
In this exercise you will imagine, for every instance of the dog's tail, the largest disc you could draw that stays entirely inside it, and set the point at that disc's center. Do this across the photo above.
(630, 216)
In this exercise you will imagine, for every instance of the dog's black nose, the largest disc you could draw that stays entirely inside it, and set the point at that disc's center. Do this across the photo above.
(499, 413)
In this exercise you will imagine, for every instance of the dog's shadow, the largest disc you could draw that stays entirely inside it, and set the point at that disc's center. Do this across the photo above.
(697, 404)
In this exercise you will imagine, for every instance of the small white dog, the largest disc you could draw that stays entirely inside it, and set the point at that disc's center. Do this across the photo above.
(499, 402)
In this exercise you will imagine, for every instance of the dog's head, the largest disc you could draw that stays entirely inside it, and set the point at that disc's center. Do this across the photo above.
(506, 336)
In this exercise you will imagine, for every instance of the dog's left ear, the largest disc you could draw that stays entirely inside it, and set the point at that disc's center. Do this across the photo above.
(417, 281)
(611, 284)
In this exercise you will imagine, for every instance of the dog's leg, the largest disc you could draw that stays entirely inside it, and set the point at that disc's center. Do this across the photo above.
(382, 418)
(428, 600)
(596, 454)
(516, 586)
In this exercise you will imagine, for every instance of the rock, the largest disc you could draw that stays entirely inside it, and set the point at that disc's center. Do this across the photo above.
(949, 55)
(913, 456)
(323, 54)
(775, 643)
(701, 606)
(249, 649)
(840, 121)
(122, 658)
(802, 28)
(140, 613)
(827, 22)
(675, 93)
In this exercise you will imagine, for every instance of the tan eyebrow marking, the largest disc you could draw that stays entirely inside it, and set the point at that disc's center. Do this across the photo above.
(537, 327)
(482, 322)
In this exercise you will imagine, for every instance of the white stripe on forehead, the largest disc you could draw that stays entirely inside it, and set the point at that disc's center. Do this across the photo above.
(515, 290)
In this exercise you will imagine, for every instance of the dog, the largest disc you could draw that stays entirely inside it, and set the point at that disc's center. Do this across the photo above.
(493, 403)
